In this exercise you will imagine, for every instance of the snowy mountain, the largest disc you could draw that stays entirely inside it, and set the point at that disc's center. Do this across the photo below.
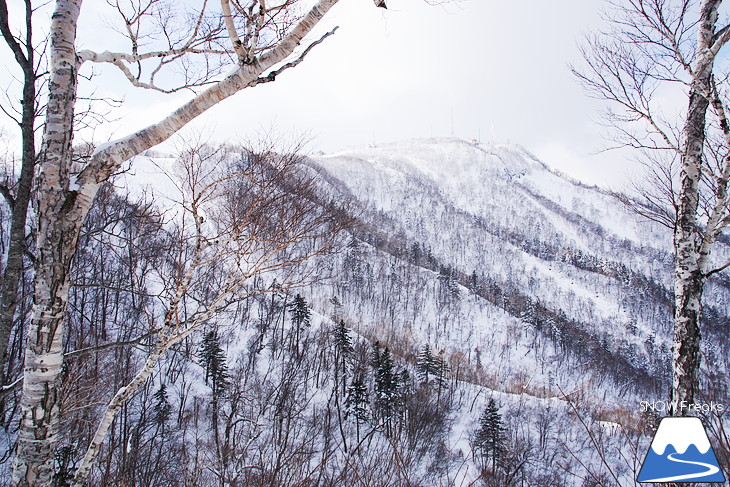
(560, 278)
(482, 320)
(545, 294)
(680, 433)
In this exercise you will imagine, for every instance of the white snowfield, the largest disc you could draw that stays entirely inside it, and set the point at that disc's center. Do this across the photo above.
(471, 175)
(465, 199)
(680, 433)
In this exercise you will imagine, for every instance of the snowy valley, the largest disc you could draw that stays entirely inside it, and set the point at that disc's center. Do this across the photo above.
(480, 320)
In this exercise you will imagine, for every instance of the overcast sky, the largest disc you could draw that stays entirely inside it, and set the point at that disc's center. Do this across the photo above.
(487, 69)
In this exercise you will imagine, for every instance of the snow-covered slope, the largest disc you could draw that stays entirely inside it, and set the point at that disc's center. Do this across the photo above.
(546, 268)
(474, 277)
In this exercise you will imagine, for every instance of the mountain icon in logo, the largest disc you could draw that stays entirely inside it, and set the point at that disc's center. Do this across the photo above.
(680, 452)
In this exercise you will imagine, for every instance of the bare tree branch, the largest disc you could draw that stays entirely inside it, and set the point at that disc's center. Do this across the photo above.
(100, 348)
(717, 270)
(273, 74)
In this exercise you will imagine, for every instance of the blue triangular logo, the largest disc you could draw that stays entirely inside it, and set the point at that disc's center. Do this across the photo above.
(680, 452)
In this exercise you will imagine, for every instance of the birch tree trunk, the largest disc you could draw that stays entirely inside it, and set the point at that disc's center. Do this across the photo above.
(652, 45)
(116, 403)
(63, 203)
(59, 223)
(689, 277)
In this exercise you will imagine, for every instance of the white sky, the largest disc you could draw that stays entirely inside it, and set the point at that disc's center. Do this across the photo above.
(487, 69)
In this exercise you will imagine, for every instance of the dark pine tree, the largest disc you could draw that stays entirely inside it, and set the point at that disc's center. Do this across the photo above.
(424, 364)
(357, 401)
(429, 365)
(343, 342)
(440, 369)
(386, 387)
(300, 318)
(213, 359)
(336, 308)
(489, 438)
(161, 408)
(343, 352)
(441, 374)
(405, 391)
(415, 254)
(474, 286)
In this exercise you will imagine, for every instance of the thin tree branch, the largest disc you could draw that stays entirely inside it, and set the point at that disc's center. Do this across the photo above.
(99, 348)
(718, 270)
(13, 386)
(272, 75)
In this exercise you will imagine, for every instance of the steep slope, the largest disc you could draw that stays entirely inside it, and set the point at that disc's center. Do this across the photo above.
(479, 300)
(560, 276)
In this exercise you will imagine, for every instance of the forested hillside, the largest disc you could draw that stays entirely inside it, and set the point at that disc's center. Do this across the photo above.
(428, 313)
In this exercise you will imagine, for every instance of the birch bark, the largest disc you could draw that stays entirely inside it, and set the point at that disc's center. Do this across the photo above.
(689, 277)
(59, 223)
(651, 46)
(62, 208)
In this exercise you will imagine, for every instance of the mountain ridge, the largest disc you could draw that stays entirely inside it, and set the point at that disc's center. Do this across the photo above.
(497, 212)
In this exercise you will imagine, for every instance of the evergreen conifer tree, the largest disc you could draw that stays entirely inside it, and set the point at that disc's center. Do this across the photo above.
(299, 311)
(300, 318)
(357, 402)
(424, 364)
(474, 286)
(405, 389)
(429, 365)
(440, 369)
(489, 438)
(343, 342)
(343, 352)
(336, 308)
(415, 253)
(386, 384)
(162, 407)
(213, 359)
(375, 359)
(353, 263)
(216, 371)
(358, 399)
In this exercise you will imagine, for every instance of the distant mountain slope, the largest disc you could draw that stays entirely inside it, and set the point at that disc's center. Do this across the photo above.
(478, 299)
(570, 263)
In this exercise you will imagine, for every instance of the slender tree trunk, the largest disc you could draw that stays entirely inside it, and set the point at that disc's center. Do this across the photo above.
(13, 271)
(688, 276)
(59, 224)
(16, 249)
(115, 405)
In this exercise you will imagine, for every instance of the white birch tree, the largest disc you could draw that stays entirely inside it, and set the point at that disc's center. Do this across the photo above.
(657, 45)
(257, 38)
(225, 237)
